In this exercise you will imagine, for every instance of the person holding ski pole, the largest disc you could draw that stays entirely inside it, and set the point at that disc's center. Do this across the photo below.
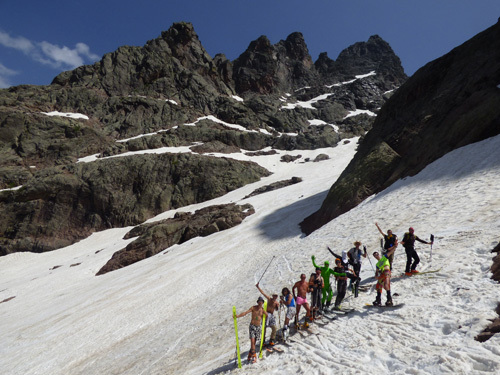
(316, 285)
(390, 241)
(254, 329)
(383, 276)
(341, 278)
(408, 243)
(287, 299)
(272, 305)
(300, 296)
(355, 255)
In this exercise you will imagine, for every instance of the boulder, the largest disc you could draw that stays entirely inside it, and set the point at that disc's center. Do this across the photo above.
(156, 237)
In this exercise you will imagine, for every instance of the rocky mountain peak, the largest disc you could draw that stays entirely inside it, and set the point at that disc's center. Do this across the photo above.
(149, 97)
(446, 104)
(152, 69)
(180, 34)
(261, 45)
(296, 48)
(361, 58)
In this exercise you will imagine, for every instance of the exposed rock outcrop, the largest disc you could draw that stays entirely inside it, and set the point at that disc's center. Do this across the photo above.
(494, 327)
(274, 186)
(64, 204)
(156, 237)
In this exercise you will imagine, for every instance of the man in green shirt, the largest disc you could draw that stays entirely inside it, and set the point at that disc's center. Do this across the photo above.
(383, 275)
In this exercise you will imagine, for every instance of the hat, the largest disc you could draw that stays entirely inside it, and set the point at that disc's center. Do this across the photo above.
(260, 299)
(411, 229)
(357, 243)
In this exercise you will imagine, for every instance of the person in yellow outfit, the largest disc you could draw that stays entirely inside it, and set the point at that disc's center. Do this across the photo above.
(383, 275)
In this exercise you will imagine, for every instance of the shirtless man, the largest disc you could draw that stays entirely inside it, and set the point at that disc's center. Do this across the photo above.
(302, 287)
(272, 304)
(254, 329)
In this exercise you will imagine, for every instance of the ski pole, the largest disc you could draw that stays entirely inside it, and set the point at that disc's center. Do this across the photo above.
(331, 251)
(432, 241)
(266, 269)
(373, 269)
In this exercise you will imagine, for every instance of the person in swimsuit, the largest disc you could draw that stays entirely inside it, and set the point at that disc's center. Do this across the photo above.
(302, 287)
(254, 330)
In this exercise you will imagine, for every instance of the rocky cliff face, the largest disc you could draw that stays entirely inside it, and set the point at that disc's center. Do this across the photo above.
(170, 92)
(451, 102)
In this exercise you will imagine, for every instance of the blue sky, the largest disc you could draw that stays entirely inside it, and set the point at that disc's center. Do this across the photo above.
(40, 39)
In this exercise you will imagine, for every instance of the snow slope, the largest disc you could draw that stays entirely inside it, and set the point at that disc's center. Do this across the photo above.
(171, 313)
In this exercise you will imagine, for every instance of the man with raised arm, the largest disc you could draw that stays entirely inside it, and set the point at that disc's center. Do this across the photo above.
(272, 304)
(390, 241)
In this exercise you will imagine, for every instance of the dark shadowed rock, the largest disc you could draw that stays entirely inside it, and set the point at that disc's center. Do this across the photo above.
(274, 186)
(494, 327)
(214, 147)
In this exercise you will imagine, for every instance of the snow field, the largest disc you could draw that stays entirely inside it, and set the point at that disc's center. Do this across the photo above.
(171, 313)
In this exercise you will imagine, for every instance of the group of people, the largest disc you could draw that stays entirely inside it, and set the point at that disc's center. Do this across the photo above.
(347, 267)
(385, 261)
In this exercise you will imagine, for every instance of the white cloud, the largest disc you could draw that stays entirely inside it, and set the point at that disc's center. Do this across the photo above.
(84, 49)
(48, 53)
(5, 73)
(58, 56)
(20, 43)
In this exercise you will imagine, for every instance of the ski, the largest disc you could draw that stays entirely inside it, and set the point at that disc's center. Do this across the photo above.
(330, 317)
(341, 311)
(423, 272)
(262, 336)
(383, 307)
(237, 340)
(273, 349)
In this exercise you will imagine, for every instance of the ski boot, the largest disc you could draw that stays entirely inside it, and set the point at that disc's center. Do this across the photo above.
(284, 333)
(252, 356)
(377, 302)
(389, 299)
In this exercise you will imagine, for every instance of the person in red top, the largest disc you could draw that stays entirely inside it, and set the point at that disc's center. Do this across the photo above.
(408, 243)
